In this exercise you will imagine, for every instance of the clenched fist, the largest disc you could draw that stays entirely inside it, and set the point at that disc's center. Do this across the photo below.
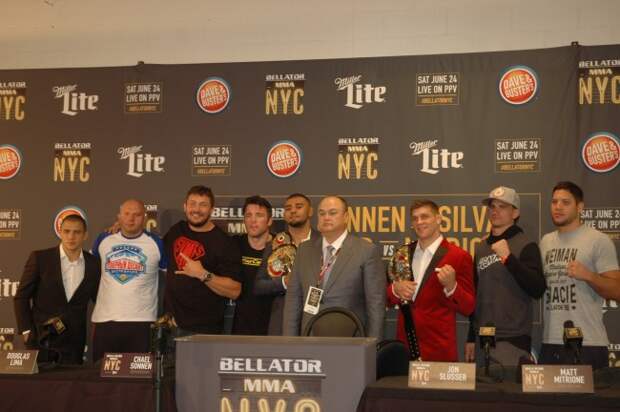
(447, 277)
(501, 248)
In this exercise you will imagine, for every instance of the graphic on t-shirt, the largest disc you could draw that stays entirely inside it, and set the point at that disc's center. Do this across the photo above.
(251, 261)
(125, 262)
(561, 293)
(487, 261)
(193, 249)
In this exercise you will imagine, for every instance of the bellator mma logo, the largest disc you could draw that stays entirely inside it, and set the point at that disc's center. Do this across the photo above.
(360, 94)
(435, 159)
(74, 102)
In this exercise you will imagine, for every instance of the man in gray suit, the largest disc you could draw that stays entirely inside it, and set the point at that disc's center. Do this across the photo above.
(347, 269)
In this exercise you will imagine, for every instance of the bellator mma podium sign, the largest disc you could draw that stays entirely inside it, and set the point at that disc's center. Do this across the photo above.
(272, 373)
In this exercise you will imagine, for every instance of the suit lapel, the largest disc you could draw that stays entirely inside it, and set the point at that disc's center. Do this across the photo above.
(85, 280)
(430, 270)
(345, 253)
(314, 265)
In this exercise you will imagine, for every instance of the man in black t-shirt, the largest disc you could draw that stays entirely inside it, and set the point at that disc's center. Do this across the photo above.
(203, 269)
(252, 312)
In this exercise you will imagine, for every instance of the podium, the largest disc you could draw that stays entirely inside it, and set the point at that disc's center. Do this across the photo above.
(272, 373)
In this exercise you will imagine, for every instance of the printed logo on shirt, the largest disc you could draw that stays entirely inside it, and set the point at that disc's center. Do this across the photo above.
(518, 85)
(487, 261)
(251, 261)
(193, 249)
(125, 262)
(561, 293)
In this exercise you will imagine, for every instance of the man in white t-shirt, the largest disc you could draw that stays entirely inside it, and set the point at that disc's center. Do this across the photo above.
(581, 271)
(127, 299)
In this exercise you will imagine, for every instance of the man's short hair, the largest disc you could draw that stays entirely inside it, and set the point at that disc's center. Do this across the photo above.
(259, 201)
(424, 203)
(299, 195)
(570, 187)
(75, 218)
(201, 190)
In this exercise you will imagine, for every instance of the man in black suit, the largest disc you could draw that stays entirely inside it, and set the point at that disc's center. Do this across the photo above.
(53, 294)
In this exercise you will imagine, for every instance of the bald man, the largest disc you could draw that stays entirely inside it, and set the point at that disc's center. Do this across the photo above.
(127, 299)
(339, 269)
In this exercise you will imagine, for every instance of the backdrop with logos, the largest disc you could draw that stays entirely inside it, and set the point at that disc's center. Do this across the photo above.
(381, 132)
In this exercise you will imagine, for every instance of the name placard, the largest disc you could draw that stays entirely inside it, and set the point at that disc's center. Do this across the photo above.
(557, 378)
(127, 365)
(22, 362)
(442, 375)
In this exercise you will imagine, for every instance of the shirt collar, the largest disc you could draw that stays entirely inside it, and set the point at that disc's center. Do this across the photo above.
(63, 255)
(432, 248)
(337, 244)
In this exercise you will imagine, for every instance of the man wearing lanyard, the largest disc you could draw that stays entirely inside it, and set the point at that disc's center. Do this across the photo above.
(336, 269)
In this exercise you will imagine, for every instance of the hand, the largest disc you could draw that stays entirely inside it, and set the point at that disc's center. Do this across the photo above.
(470, 352)
(447, 277)
(577, 270)
(26, 337)
(192, 268)
(286, 279)
(405, 289)
(114, 228)
(501, 248)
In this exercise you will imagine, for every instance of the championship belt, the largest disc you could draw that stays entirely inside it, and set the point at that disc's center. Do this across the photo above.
(280, 262)
(400, 269)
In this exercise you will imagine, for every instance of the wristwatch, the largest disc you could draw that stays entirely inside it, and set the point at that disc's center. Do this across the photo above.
(207, 277)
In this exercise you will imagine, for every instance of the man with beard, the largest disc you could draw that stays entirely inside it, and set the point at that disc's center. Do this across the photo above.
(204, 267)
(252, 311)
(508, 276)
(442, 285)
(297, 214)
(581, 269)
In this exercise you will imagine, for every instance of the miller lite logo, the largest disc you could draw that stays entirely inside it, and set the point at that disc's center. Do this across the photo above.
(125, 262)
(73, 101)
(601, 152)
(518, 85)
(435, 159)
(10, 161)
(141, 163)
(359, 94)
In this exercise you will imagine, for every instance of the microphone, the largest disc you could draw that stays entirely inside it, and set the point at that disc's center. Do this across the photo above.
(573, 340)
(486, 334)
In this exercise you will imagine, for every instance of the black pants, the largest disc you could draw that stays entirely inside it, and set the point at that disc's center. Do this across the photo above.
(121, 337)
(597, 356)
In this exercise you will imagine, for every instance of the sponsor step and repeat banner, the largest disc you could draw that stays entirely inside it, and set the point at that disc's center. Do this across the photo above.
(381, 132)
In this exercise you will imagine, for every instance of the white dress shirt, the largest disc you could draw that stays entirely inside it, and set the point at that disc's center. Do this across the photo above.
(420, 261)
(72, 272)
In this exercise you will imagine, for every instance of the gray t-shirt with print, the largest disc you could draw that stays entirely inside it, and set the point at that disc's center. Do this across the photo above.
(571, 299)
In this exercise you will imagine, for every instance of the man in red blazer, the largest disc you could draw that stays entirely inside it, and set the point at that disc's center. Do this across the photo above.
(442, 286)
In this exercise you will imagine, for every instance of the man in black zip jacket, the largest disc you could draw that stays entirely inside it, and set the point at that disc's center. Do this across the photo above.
(508, 275)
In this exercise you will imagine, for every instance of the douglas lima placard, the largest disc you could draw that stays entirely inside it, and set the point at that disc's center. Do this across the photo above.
(270, 384)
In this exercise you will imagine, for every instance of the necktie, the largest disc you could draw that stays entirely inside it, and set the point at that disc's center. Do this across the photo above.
(328, 260)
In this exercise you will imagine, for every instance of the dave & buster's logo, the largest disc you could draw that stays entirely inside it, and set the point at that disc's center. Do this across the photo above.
(125, 262)
(601, 152)
(10, 161)
(518, 85)
(213, 95)
(63, 213)
(284, 158)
